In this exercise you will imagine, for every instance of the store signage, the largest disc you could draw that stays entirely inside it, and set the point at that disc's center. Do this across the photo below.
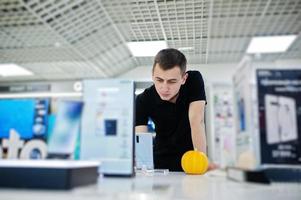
(279, 106)
(14, 144)
(24, 88)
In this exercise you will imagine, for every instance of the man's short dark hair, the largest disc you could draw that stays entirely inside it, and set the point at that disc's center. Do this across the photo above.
(169, 58)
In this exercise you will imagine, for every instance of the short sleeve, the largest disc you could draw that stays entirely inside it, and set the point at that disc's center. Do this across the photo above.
(195, 87)
(141, 110)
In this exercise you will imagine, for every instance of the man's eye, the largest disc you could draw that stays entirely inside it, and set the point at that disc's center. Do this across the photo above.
(159, 80)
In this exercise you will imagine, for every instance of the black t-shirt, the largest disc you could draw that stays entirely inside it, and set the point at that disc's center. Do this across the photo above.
(173, 133)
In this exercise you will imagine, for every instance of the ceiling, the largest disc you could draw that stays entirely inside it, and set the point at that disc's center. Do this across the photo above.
(72, 39)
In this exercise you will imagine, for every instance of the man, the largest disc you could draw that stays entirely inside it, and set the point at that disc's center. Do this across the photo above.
(176, 104)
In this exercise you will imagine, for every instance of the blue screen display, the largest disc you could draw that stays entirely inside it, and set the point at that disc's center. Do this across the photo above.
(27, 116)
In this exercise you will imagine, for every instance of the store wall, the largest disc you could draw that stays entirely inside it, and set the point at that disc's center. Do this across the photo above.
(212, 73)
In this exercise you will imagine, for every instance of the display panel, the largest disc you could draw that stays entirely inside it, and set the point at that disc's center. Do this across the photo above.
(279, 109)
(27, 116)
(107, 132)
(144, 151)
(66, 127)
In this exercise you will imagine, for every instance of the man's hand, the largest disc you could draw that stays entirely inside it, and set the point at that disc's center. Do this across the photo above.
(212, 166)
(140, 129)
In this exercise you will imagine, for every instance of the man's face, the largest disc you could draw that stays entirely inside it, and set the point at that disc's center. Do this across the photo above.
(168, 82)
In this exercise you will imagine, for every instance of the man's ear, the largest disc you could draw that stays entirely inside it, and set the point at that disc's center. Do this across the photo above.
(184, 78)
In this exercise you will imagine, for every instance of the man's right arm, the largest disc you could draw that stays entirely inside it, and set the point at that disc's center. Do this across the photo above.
(141, 114)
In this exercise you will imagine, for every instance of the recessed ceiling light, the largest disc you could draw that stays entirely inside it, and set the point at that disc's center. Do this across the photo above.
(11, 69)
(270, 44)
(57, 44)
(145, 49)
(185, 48)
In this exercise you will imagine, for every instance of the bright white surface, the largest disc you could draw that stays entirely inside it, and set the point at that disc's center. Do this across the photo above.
(149, 48)
(13, 70)
(175, 186)
(270, 44)
(47, 163)
(212, 73)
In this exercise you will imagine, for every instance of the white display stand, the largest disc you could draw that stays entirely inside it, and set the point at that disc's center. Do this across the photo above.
(107, 131)
(245, 106)
(173, 186)
(267, 120)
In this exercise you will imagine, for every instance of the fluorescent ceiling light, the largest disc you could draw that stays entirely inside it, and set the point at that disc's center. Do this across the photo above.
(144, 49)
(185, 48)
(270, 44)
(13, 70)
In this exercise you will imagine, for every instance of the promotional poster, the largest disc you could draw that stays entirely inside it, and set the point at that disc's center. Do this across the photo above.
(279, 102)
(107, 129)
(28, 117)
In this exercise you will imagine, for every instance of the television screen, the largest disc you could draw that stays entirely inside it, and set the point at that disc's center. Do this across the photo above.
(26, 116)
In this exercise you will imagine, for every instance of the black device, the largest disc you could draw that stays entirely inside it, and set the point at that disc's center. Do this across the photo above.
(47, 174)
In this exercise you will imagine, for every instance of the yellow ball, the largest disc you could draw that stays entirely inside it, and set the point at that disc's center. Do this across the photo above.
(194, 162)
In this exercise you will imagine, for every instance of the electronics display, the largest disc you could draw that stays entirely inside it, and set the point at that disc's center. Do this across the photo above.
(280, 119)
(107, 131)
(287, 119)
(41, 118)
(279, 116)
(144, 151)
(66, 127)
(27, 116)
(271, 104)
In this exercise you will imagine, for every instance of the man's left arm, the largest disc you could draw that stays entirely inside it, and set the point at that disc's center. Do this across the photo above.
(196, 119)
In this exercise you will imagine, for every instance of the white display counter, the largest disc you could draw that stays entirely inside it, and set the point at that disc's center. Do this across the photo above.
(172, 186)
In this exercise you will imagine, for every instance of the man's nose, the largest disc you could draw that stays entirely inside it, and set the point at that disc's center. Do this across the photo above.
(164, 86)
